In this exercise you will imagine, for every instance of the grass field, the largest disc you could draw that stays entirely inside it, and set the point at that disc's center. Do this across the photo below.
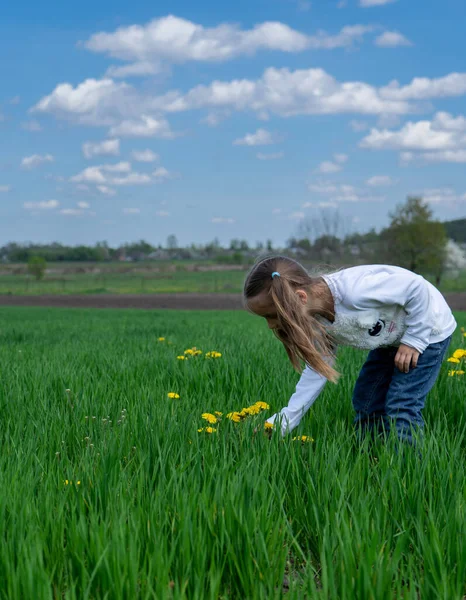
(144, 278)
(109, 490)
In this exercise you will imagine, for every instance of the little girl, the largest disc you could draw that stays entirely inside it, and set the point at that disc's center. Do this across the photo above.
(400, 317)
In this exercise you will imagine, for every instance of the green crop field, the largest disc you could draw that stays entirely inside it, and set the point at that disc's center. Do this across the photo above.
(110, 491)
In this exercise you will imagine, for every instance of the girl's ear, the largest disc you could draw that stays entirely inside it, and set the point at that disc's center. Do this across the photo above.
(302, 296)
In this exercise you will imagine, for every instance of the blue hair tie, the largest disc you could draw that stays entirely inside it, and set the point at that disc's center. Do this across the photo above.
(275, 273)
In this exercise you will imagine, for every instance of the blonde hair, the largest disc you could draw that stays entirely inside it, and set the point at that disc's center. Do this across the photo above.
(303, 337)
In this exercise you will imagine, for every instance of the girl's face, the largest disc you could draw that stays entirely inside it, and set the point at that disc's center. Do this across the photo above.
(262, 306)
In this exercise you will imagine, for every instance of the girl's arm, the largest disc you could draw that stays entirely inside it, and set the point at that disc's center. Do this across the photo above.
(308, 388)
(402, 287)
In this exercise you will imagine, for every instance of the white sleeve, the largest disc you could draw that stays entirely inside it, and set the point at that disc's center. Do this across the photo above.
(308, 388)
(400, 287)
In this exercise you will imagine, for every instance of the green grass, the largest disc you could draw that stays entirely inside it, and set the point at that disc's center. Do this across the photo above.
(163, 511)
(141, 278)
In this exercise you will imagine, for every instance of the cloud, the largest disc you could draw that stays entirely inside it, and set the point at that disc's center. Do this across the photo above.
(139, 69)
(131, 211)
(392, 39)
(368, 3)
(72, 212)
(286, 93)
(262, 137)
(328, 167)
(440, 138)
(276, 211)
(31, 125)
(445, 195)
(340, 158)
(343, 192)
(162, 174)
(15, 100)
(36, 160)
(278, 91)
(162, 213)
(358, 126)
(271, 156)
(228, 220)
(146, 156)
(44, 205)
(106, 175)
(5, 188)
(104, 148)
(296, 215)
(380, 181)
(84, 205)
(144, 127)
(422, 88)
(103, 189)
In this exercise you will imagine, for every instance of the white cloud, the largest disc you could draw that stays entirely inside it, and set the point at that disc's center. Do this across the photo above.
(121, 167)
(422, 88)
(380, 181)
(162, 213)
(84, 205)
(36, 160)
(328, 167)
(347, 37)
(15, 100)
(276, 211)
(358, 126)
(367, 3)
(442, 139)
(104, 148)
(296, 215)
(262, 137)
(72, 212)
(139, 69)
(5, 188)
(446, 196)
(340, 158)
(222, 220)
(145, 156)
(162, 174)
(215, 117)
(146, 126)
(179, 40)
(327, 204)
(103, 189)
(131, 211)
(31, 125)
(91, 175)
(271, 156)
(131, 179)
(44, 205)
(392, 39)
(343, 192)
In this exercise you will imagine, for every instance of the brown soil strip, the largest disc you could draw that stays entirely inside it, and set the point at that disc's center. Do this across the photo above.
(457, 301)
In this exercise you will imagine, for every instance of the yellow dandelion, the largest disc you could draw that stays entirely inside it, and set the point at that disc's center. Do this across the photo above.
(189, 352)
(453, 359)
(207, 429)
(303, 438)
(460, 353)
(236, 417)
(451, 373)
(173, 395)
(268, 425)
(161, 339)
(181, 357)
(262, 405)
(219, 414)
(79, 483)
(460, 372)
(213, 354)
(210, 418)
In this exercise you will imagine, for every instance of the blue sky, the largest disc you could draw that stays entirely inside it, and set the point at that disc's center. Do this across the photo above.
(121, 121)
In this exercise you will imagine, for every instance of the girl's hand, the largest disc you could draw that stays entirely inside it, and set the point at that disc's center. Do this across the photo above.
(406, 357)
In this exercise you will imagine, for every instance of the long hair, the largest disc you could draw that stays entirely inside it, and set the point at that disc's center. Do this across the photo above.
(303, 336)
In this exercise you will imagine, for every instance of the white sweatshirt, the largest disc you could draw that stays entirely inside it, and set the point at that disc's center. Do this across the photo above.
(375, 306)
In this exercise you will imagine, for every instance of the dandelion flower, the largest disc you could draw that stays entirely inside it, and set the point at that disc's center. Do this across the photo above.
(262, 405)
(173, 395)
(219, 414)
(181, 357)
(161, 339)
(303, 438)
(207, 429)
(213, 354)
(453, 359)
(268, 425)
(460, 353)
(209, 418)
(236, 417)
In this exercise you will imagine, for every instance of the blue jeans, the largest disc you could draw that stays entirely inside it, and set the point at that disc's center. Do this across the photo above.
(383, 395)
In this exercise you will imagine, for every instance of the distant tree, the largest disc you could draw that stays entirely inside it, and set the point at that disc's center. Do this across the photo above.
(414, 240)
(37, 266)
(269, 245)
(172, 242)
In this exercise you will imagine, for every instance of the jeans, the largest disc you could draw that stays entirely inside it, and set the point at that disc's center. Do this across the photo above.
(383, 395)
